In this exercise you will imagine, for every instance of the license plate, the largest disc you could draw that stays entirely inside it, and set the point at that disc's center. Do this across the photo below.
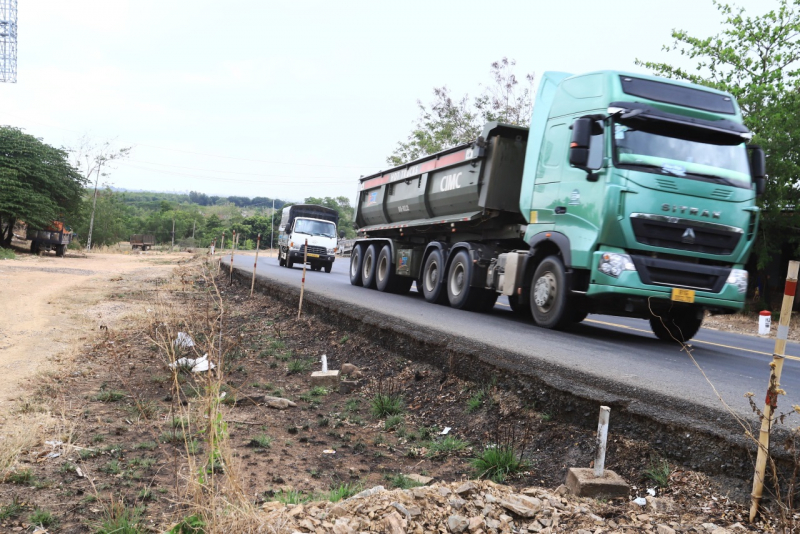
(682, 295)
(313, 255)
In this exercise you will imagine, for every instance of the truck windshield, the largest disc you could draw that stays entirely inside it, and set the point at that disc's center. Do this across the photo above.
(321, 228)
(652, 152)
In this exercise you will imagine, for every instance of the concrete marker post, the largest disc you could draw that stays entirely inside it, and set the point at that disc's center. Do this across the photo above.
(303, 282)
(771, 402)
(602, 437)
(221, 253)
(255, 264)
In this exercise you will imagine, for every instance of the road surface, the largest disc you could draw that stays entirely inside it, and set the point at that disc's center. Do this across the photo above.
(611, 348)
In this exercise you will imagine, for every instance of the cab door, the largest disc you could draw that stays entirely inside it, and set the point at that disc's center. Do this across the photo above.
(547, 184)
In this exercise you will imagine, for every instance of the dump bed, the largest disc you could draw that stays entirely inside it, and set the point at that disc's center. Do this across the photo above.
(143, 239)
(458, 184)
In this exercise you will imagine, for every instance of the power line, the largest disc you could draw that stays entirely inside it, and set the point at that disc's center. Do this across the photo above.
(227, 172)
(233, 180)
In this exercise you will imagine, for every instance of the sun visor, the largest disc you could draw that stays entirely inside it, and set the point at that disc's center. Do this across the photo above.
(647, 118)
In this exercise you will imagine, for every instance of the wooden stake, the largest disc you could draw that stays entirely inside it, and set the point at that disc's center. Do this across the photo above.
(303, 282)
(233, 247)
(255, 264)
(771, 403)
(602, 436)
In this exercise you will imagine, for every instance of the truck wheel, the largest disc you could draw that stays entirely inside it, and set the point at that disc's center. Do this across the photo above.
(328, 267)
(550, 304)
(61, 250)
(680, 326)
(432, 274)
(356, 257)
(368, 268)
(281, 261)
(460, 294)
(34, 247)
(385, 276)
(289, 261)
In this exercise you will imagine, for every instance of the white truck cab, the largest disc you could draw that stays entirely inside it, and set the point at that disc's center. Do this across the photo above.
(312, 224)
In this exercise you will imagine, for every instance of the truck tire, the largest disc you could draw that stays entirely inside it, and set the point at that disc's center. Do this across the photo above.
(356, 257)
(289, 261)
(385, 276)
(550, 304)
(281, 261)
(61, 250)
(369, 266)
(328, 267)
(34, 247)
(459, 292)
(676, 326)
(432, 277)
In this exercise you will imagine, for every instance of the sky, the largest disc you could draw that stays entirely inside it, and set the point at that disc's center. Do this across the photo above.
(297, 99)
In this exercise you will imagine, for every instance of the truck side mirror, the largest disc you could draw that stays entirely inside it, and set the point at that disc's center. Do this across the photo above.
(579, 144)
(758, 168)
(341, 234)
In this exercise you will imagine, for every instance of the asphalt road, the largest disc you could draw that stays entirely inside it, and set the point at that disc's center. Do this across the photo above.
(611, 348)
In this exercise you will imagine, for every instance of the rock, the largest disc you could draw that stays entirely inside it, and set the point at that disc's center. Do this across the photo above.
(444, 492)
(342, 527)
(467, 487)
(458, 504)
(402, 509)
(475, 523)
(583, 483)
(367, 492)
(522, 505)
(351, 370)
(278, 403)
(658, 506)
(420, 478)
(457, 523)
(664, 529)
(492, 523)
(720, 530)
(394, 524)
(709, 526)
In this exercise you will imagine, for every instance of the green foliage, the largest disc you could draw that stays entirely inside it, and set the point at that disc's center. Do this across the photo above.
(475, 402)
(189, 525)
(498, 462)
(342, 491)
(343, 207)
(658, 471)
(121, 519)
(7, 254)
(109, 396)
(44, 518)
(37, 183)
(299, 366)
(385, 404)
(400, 481)
(23, 476)
(11, 510)
(262, 441)
(756, 60)
(447, 122)
(445, 447)
(392, 422)
(291, 497)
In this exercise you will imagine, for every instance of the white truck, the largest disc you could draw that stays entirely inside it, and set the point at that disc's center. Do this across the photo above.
(312, 224)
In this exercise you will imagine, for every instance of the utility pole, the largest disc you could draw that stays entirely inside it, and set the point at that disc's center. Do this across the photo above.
(194, 223)
(173, 234)
(94, 205)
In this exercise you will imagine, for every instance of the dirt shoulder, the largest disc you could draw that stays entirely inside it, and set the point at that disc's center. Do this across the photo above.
(54, 305)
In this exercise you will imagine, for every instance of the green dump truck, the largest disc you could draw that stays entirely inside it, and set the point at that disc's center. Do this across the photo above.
(629, 195)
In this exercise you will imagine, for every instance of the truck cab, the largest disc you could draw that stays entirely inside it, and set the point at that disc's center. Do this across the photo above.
(308, 226)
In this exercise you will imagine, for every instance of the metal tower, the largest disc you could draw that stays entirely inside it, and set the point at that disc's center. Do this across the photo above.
(8, 41)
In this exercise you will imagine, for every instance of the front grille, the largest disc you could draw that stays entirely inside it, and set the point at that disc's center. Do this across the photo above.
(685, 234)
(671, 273)
(315, 250)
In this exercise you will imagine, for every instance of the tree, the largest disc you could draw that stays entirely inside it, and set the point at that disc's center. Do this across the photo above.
(112, 219)
(446, 122)
(37, 183)
(90, 158)
(757, 60)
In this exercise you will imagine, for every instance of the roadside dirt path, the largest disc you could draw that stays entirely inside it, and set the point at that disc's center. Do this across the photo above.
(51, 304)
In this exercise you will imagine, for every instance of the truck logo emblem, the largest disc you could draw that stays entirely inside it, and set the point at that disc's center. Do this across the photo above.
(575, 197)
(688, 236)
(691, 211)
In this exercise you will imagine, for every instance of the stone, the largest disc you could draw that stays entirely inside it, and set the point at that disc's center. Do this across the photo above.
(458, 504)
(467, 487)
(342, 527)
(394, 524)
(444, 492)
(278, 403)
(457, 523)
(475, 523)
(658, 506)
(581, 482)
(664, 529)
(351, 370)
(337, 511)
(422, 479)
(326, 379)
(368, 492)
(522, 505)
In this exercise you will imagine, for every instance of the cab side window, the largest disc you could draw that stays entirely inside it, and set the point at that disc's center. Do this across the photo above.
(596, 147)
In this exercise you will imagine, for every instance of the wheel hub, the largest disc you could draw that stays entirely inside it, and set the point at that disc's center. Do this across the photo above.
(544, 291)
(431, 277)
(457, 280)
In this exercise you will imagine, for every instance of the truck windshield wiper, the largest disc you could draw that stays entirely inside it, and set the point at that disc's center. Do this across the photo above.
(713, 177)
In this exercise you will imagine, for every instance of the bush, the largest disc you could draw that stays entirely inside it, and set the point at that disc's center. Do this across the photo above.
(498, 462)
(385, 404)
(7, 254)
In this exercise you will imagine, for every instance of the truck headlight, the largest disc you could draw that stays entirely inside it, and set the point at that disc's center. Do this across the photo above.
(331, 251)
(738, 277)
(292, 246)
(613, 264)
